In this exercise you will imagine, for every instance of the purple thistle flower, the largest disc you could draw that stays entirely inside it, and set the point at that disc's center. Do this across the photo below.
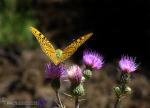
(75, 74)
(127, 64)
(53, 71)
(93, 60)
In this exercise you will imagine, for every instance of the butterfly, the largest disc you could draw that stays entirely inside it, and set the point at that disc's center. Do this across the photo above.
(58, 56)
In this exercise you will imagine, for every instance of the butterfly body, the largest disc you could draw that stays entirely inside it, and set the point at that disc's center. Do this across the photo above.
(59, 53)
(58, 56)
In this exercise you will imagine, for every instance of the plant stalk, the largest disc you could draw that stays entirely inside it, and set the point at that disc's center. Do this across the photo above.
(117, 103)
(77, 105)
(59, 100)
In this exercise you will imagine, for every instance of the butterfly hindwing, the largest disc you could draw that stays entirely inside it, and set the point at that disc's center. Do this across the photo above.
(70, 49)
(46, 46)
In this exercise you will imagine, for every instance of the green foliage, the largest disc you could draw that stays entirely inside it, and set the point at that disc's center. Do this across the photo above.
(15, 19)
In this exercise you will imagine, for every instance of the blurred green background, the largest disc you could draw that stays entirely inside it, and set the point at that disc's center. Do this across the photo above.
(15, 18)
(22, 62)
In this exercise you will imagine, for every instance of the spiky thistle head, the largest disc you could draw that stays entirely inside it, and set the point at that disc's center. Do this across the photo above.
(75, 74)
(93, 59)
(128, 64)
(53, 71)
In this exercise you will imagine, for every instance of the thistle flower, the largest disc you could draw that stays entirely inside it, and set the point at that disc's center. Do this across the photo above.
(127, 64)
(53, 71)
(75, 74)
(93, 60)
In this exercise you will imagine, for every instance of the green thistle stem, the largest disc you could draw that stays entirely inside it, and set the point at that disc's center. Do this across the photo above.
(77, 105)
(59, 100)
(123, 82)
(117, 103)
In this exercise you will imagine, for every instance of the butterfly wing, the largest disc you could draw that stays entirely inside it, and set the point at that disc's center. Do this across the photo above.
(70, 49)
(46, 46)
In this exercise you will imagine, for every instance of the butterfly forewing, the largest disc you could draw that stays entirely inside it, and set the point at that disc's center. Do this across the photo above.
(46, 46)
(70, 49)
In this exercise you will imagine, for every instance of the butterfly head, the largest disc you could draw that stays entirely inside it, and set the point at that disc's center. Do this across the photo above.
(59, 53)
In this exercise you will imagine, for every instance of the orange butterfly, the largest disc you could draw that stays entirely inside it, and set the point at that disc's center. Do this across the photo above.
(58, 56)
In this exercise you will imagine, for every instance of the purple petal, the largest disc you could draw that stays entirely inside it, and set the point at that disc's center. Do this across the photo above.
(127, 64)
(54, 71)
(75, 74)
(93, 59)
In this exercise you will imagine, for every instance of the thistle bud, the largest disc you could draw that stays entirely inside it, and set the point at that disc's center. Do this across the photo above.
(87, 74)
(128, 90)
(117, 91)
(77, 90)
